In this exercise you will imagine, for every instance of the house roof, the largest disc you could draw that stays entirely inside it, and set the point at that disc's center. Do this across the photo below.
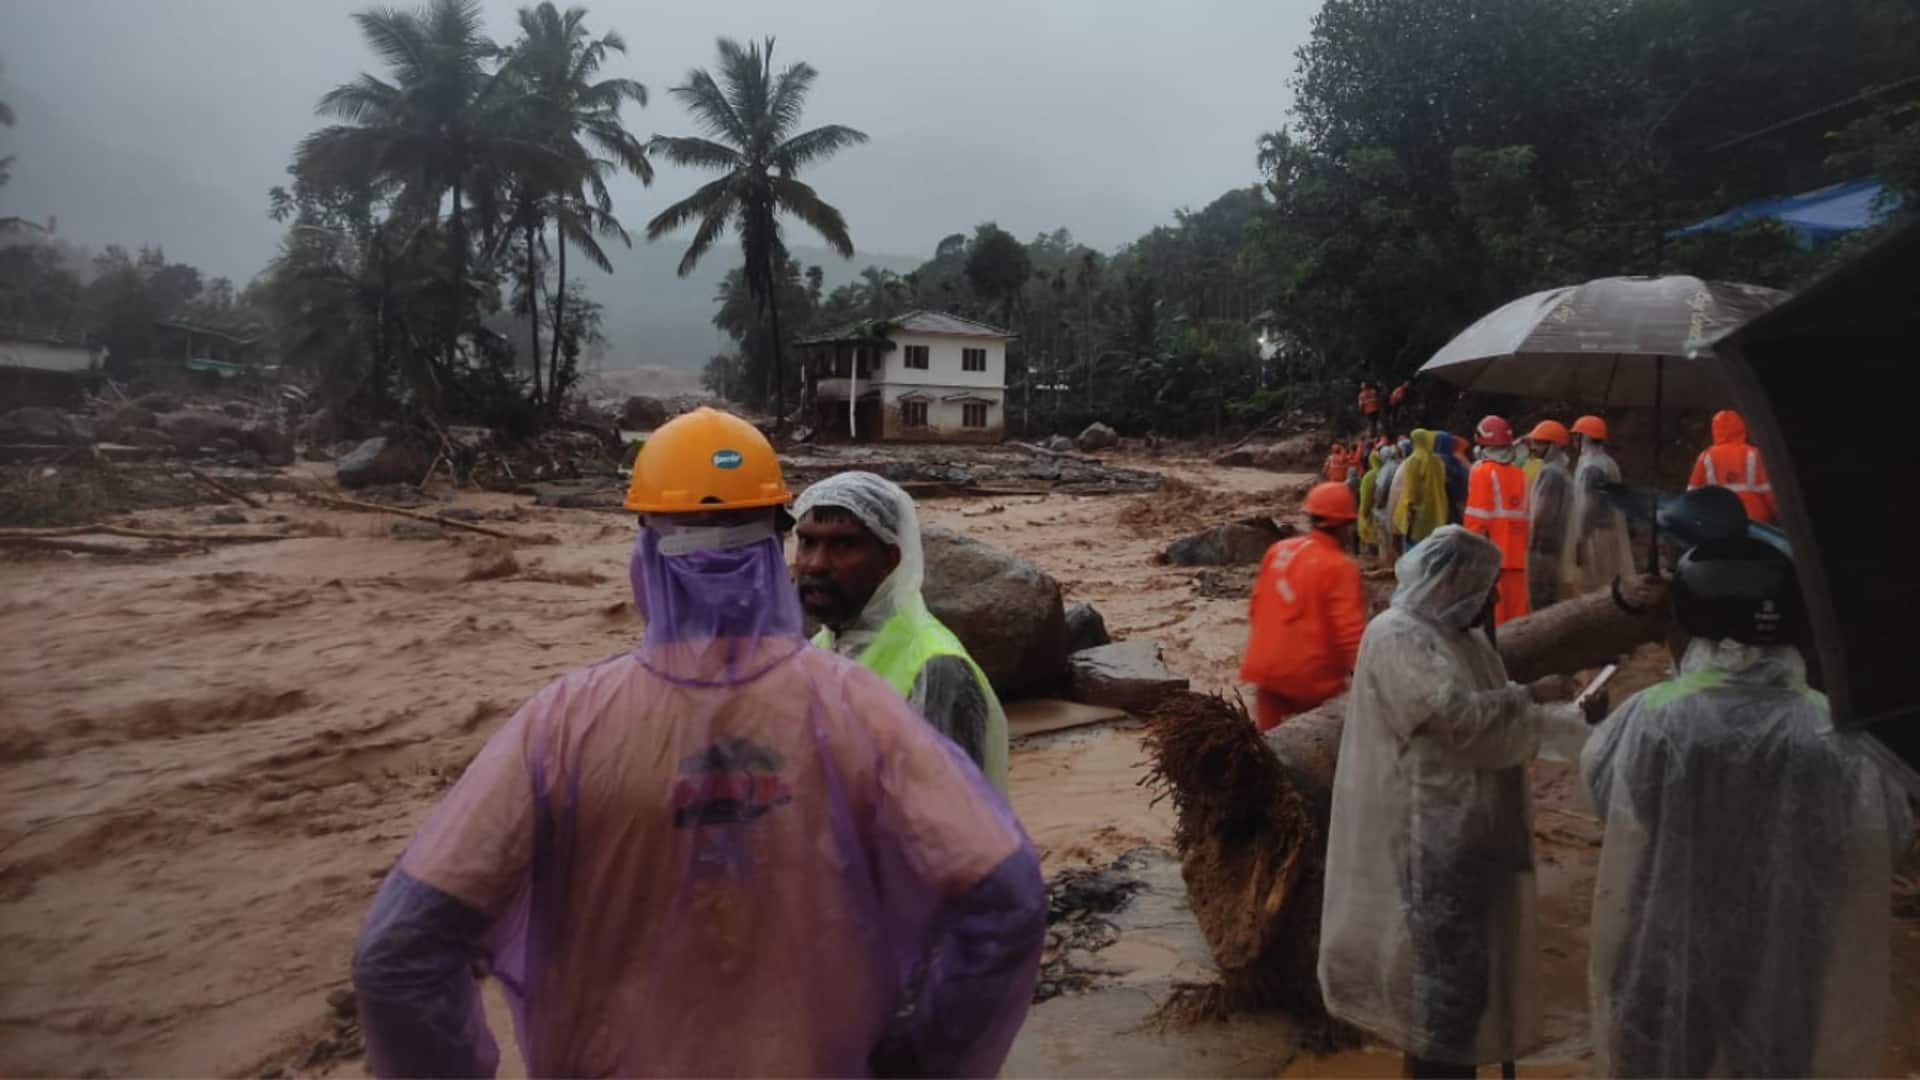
(912, 322)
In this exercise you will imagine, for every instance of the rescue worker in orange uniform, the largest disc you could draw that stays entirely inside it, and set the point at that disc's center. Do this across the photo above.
(1369, 402)
(1497, 508)
(1396, 402)
(1335, 469)
(1735, 464)
(1307, 613)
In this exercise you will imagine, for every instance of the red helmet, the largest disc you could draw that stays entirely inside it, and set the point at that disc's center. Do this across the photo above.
(1330, 502)
(1493, 431)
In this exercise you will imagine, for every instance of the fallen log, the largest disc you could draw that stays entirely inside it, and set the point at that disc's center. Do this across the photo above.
(145, 534)
(1251, 810)
(225, 489)
(81, 547)
(378, 508)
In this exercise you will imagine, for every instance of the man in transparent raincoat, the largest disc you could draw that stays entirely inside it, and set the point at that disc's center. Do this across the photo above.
(860, 566)
(1599, 548)
(1427, 925)
(1742, 908)
(724, 852)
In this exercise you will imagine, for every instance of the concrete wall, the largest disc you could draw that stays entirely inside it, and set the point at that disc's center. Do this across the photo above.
(945, 419)
(45, 357)
(943, 362)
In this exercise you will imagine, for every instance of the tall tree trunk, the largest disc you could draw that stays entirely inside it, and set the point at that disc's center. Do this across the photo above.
(533, 301)
(458, 238)
(779, 367)
(559, 317)
(1089, 357)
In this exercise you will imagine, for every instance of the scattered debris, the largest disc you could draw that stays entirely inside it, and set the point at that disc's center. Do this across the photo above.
(1004, 609)
(1059, 444)
(1097, 436)
(380, 460)
(643, 414)
(433, 519)
(1233, 544)
(1128, 675)
(1079, 899)
(1230, 583)
(1086, 628)
(224, 489)
(1179, 508)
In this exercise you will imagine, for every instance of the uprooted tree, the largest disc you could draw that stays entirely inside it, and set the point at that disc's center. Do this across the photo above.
(1252, 809)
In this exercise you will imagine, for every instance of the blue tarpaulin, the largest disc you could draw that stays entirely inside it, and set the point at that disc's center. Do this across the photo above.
(1813, 216)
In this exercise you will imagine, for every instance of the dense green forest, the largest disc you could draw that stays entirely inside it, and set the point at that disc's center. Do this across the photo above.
(1441, 158)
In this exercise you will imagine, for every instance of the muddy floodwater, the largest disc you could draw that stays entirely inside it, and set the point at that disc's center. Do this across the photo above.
(208, 760)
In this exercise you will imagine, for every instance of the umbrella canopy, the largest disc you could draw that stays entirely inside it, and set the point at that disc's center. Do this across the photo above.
(1817, 379)
(1604, 343)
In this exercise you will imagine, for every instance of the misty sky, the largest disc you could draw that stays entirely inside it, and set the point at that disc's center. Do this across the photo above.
(1099, 116)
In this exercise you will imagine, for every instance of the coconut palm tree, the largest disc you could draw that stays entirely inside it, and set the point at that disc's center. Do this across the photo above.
(578, 115)
(749, 113)
(442, 121)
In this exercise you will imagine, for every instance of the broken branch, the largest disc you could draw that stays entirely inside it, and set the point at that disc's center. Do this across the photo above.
(229, 492)
(377, 508)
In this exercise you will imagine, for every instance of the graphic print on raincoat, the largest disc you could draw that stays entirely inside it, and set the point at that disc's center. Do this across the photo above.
(722, 853)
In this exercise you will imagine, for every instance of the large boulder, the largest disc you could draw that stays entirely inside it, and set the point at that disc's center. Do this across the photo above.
(1299, 454)
(199, 429)
(131, 418)
(1227, 545)
(37, 424)
(1126, 675)
(1004, 609)
(270, 441)
(1059, 444)
(380, 460)
(1086, 628)
(1097, 436)
(643, 414)
(158, 402)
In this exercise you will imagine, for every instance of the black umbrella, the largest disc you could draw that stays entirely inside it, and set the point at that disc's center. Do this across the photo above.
(1819, 380)
(1618, 341)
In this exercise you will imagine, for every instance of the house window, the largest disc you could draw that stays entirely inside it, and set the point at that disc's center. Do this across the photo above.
(914, 413)
(917, 357)
(974, 413)
(973, 359)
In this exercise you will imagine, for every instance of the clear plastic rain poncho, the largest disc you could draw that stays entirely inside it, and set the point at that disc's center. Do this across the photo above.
(1380, 510)
(1427, 926)
(1550, 509)
(949, 691)
(1598, 546)
(1742, 909)
(724, 852)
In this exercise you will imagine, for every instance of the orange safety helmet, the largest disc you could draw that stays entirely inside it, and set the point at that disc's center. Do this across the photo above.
(1493, 431)
(1550, 431)
(1330, 502)
(1592, 427)
(706, 460)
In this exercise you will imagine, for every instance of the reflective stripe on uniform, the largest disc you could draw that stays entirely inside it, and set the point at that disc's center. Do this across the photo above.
(1753, 470)
(1500, 503)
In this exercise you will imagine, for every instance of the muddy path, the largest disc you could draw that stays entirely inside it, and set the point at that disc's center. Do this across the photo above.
(207, 762)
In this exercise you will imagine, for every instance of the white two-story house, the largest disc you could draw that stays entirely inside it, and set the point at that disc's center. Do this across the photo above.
(925, 376)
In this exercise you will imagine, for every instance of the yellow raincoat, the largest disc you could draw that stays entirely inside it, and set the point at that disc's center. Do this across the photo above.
(1423, 504)
(1368, 482)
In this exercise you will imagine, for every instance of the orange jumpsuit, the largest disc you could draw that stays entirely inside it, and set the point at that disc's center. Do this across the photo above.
(1735, 464)
(1497, 509)
(1306, 617)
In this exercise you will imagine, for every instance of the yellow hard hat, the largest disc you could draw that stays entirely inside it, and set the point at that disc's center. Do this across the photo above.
(705, 460)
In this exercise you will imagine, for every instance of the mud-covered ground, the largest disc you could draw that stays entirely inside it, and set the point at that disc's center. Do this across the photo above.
(207, 761)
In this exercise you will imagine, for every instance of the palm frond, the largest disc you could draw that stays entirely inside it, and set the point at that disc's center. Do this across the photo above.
(716, 198)
(813, 146)
(578, 233)
(397, 38)
(710, 229)
(696, 153)
(803, 202)
(364, 100)
(709, 105)
(789, 98)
